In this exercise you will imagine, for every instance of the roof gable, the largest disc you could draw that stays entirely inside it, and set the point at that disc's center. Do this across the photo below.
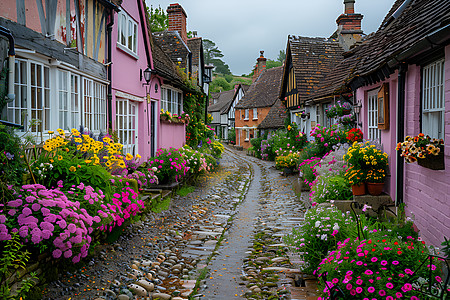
(264, 91)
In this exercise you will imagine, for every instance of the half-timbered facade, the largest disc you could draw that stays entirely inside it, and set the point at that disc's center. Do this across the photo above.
(61, 74)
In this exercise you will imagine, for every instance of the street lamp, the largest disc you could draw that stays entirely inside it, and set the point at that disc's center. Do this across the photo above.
(147, 74)
(207, 78)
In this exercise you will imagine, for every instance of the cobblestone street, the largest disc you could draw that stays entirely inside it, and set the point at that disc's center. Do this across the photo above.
(204, 245)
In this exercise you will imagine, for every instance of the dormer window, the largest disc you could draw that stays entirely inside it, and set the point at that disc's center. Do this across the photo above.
(127, 33)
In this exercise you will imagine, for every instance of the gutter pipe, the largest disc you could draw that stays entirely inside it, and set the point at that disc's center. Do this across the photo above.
(400, 130)
(11, 63)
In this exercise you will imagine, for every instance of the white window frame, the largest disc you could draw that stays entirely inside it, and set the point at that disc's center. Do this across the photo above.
(94, 106)
(34, 94)
(373, 133)
(247, 134)
(255, 114)
(433, 101)
(127, 33)
(172, 100)
(69, 106)
(246, 114)
(127, 124)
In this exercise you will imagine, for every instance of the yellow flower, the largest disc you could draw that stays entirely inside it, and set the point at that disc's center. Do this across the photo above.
(51, 160)
(60, 157)
(129, 156)
(75, 131)
(51, 132)
(72, 169)
(138, 156)
(88, 161)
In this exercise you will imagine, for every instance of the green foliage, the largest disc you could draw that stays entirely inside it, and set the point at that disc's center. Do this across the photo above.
(210, 51)
(446, 247)
(322, 229)
(185, 190)
(11, 163)
(232, 136)
(3, 88)
(273, 63)
(256, 143)
(159, 20)
(12, 258)
(281, 56)
(220, 66)
(219, 84)
(331, 188)
(229, 78)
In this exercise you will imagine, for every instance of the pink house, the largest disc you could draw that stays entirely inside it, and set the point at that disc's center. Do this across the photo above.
(401, 81)
(134, 114)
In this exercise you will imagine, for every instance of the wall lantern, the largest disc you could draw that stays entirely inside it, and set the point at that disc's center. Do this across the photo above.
(147, 74)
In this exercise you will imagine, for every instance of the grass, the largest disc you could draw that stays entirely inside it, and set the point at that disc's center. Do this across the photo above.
(159, 206)
(185, 190)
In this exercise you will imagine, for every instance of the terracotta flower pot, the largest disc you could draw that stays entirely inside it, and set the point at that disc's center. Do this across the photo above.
(375, 189)
(359, 189)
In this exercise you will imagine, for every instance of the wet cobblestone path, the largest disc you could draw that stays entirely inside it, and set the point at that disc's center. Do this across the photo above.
(222, 241)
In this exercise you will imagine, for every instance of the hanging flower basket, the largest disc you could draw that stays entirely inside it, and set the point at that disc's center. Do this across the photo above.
(433, 162)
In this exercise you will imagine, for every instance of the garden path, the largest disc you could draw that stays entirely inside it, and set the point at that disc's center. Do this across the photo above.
(246, 206)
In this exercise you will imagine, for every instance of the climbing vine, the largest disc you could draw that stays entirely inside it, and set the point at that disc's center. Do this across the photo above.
(196, 131)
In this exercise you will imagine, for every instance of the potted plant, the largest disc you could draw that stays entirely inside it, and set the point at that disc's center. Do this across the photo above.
(287, 163)
(347, 119)
(375, 181)
(356, 177)
(426, 151)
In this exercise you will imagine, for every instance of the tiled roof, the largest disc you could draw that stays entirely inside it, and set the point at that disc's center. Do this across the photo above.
(172, 44)
(275, 118)
(164, 66)
(312, 58)
(419, 19)
(195, 45)
(222, 100)
(264, 91)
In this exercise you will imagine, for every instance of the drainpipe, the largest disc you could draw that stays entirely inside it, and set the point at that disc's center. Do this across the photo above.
(400, 130)
(11, 63)
(109, 36)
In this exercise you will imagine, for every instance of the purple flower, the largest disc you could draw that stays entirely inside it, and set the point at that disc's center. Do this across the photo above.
(2, 218)
(23, 231)
(15, 203)
(45, 211)
(62, 224)
(72, 228)
(36, 206)
(68, 253)
(47, 226)
(56, 253)
(26, 211)
(12, 212)
(4, 236)
(46, 234)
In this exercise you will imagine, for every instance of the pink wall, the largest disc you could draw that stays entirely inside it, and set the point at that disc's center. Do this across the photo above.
(172, 135)
(126, 77)
(388, 137)
(427, 192)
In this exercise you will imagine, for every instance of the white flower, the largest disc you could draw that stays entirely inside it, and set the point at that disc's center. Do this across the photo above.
(323, 237)
(336, 226)
(154, 169)
(317, 224)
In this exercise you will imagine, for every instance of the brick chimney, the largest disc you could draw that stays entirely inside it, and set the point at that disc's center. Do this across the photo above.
(177, 20)
(260, 65)
(349, 25)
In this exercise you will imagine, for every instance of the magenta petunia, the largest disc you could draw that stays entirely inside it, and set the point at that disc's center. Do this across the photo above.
(382, 293)
(368, 272)
(389, 285)
(371, 289)
(359, 290)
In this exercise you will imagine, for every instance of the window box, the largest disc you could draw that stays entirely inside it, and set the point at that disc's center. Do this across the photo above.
(433, 162)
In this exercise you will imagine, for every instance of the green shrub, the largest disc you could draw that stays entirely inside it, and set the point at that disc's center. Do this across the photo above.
(232, 136)
(12, 166)
(320, 232)
(256, 143)
(331, 188)
(380, 265)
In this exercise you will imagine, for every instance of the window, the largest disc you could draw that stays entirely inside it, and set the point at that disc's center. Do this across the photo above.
(171, 100)
(247, 134)
(32, 103)
(75, 121)
(68, 98)
(126, 120)
(318, 121)
(255, 114)
(246, 114)
(372, 112)
(127, 32)
(433, 99)
(94, 105)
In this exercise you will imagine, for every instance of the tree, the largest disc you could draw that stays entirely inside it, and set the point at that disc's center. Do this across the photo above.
(221, 67)
(210, 51)
(219, 84)
(281, 56)
(272, 64)
(159, 20)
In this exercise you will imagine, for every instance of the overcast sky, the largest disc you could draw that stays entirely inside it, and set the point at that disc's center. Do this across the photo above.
(241, 28)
